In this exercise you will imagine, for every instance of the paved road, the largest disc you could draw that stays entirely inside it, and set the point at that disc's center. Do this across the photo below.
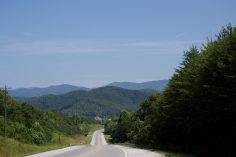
(97, 148)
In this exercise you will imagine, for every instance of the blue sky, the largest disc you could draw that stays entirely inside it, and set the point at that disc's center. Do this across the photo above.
(95, 42)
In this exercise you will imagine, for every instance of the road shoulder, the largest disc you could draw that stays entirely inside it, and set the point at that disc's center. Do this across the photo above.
(56, 152)
(130, 152)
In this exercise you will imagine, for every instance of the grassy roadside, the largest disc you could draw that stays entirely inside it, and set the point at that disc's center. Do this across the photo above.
(164, 152)
(108, 138)
(19, 149)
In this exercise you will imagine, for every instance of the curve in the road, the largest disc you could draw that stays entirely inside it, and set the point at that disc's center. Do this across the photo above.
(98, 148)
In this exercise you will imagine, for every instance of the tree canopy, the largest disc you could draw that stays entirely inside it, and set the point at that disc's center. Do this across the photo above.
(196, 113)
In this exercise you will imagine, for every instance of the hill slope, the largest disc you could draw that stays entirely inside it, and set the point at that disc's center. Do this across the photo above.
(154, 85)
(27, 124)
(104, 101)
(36, 92)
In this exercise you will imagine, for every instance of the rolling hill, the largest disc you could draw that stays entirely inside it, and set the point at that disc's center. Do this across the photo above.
(105, 101)
(154, 85)
(36, 92)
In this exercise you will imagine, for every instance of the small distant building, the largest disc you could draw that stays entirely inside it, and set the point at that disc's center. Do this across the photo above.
(97, 118)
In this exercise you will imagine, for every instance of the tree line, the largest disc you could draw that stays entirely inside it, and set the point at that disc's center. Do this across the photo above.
(196, 113)
(28, 124)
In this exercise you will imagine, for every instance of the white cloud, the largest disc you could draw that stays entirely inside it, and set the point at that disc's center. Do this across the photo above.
(51, 47)
(161, 44)
(43, 47)
(174, 46)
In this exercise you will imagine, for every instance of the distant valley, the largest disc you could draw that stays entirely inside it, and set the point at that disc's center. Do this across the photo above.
(65, 88)
(105, 101)
(109, 100)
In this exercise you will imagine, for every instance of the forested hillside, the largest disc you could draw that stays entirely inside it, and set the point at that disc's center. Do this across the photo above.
(104, 101)
(36, 92)
(154, 85)
(30, 125)
(196, 113)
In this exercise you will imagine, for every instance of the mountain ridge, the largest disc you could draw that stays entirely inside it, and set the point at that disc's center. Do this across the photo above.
(40, 91)
(157, 85)
(65, 88)
(104, 101)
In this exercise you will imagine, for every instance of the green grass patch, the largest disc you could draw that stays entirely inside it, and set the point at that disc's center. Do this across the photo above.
(18, 149)
(108, 138)
(14, 148)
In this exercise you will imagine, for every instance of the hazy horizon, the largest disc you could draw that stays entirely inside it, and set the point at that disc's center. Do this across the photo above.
(81, 85)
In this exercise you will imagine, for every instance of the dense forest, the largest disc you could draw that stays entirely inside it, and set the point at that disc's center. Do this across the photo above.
(105, 101)
(196, 113)
(30, 125)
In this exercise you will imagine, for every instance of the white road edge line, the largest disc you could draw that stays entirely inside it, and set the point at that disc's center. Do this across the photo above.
(93, 139)
(104, 142)
(125, 153)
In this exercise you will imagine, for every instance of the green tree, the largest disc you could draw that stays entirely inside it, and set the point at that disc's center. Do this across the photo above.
(196, 113)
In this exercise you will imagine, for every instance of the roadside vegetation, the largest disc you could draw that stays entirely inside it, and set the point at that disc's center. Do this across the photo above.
(196, 113)
(15, 148)
(30, 130)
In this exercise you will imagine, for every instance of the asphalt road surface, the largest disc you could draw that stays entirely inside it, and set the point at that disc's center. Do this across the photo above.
(98, 148)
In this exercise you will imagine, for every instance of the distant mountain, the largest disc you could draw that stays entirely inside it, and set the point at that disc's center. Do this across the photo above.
(154, 85)
(104, 101)
(36, 92)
